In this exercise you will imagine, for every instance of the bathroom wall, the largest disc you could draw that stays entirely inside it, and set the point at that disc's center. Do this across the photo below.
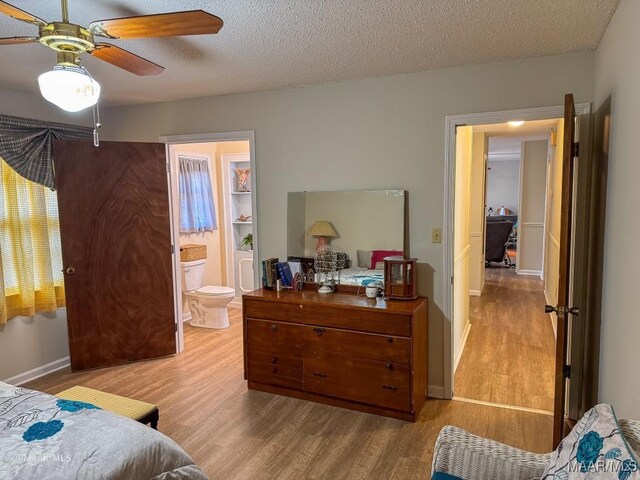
(215, 268)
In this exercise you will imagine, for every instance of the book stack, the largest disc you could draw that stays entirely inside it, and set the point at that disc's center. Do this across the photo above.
(269, 273)
(284, 273)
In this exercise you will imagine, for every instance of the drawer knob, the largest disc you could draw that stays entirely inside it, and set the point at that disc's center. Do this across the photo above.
(390, 339)
(319, 374)
(390, 388)
(274, 369)
(274, 359)
(319, 331)
(274, 328)
(390, 365)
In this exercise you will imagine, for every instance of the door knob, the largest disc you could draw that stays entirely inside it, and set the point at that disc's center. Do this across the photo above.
(561, 311)
(70, 270)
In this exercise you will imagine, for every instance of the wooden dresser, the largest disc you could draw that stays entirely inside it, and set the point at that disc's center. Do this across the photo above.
(339, 349)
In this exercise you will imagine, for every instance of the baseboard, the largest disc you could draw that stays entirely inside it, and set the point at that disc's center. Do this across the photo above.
(475, 293)
(186, 317)
(38, 372)
(537, 273)
(435, 391)
(236, 303)
(465, 335)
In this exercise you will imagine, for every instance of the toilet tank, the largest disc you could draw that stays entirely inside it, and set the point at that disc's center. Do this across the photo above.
(192, 275)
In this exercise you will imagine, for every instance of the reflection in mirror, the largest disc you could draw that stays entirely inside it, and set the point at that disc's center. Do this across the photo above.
(365, 225)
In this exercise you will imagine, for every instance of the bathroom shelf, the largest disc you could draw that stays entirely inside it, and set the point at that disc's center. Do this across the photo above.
(240, 268)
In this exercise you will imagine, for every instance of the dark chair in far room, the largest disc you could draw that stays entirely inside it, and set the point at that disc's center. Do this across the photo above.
(496, 245)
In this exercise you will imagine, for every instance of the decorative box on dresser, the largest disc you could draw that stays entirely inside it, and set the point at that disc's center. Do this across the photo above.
(340, 349)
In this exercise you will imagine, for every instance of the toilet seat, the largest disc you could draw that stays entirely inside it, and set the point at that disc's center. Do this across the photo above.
(215, 290)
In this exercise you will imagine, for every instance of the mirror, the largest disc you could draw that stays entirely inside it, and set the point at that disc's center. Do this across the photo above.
(366, 225)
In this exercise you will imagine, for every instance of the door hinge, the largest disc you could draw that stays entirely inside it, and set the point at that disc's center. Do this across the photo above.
(172, 250)
(176, 325)
(451, 279)
(168, 167)
(576, 150)
(566, 371)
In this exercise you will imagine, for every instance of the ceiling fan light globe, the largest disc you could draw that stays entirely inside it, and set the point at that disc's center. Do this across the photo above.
(69, 88)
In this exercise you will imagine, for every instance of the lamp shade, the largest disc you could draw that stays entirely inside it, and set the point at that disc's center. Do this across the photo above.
(322, 228)
(69, 88)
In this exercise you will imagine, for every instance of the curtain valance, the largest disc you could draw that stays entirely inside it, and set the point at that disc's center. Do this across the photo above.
(27, 145)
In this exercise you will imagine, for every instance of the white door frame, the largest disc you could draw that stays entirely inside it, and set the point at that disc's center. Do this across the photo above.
(169, 140)
(451, 122)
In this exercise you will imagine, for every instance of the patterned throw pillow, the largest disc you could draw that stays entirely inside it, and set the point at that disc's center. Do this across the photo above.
(595, 449)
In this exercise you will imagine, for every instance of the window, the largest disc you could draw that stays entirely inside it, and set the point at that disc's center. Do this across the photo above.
(197, 210)
(31, 277)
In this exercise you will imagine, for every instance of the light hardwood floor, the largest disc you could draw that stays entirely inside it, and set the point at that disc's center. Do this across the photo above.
(233, 433)
(509, 357)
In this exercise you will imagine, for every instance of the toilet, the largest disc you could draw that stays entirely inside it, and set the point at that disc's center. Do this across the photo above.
(208, 303)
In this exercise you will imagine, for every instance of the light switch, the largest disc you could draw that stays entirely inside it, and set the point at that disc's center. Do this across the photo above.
(436, 235)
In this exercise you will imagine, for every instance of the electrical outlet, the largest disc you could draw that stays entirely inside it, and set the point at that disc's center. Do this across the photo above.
(436, 235)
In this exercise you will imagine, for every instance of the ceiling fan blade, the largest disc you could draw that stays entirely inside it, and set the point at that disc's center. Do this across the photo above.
(17, 40)
(126, 60)
(194, 22)
(18, 14)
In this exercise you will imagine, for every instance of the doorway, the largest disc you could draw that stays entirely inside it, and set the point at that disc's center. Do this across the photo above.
(454, 335)
(232, 244)
(504, 342)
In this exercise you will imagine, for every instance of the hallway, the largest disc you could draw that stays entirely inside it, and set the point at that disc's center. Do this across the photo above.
(509, 356)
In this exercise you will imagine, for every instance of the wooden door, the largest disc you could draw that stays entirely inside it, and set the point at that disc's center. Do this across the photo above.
(113, 204)
(563, 309)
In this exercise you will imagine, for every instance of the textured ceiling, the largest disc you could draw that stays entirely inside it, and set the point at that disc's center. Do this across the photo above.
(269, 44)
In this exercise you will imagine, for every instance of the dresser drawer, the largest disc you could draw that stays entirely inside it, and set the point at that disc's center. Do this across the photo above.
(362, 320)
(385, 348)
(288, 312)
(275, 375)
(274, 338)
(275, 359)
(358, 379)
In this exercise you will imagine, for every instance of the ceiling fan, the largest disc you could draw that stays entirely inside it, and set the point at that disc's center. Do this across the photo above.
(69, 41)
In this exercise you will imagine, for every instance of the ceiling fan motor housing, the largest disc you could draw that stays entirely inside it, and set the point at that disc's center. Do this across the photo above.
(66, 37)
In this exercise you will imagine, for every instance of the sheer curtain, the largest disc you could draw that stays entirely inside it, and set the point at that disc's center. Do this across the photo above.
(197, 210)
(30, 254)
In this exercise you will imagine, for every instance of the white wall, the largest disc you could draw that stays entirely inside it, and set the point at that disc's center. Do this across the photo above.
(376, 133)
(532, 206)
(477, 214)
(27, 343)
(461, 239)
(617, 75)
(503, 184)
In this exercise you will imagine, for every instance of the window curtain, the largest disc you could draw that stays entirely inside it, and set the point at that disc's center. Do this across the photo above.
(30, 254)
(197, 210)
(27, 145)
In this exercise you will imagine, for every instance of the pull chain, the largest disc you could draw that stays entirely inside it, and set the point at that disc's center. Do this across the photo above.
(96, 125)
(96, 115)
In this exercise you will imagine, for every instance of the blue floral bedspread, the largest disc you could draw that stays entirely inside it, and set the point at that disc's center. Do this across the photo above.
(43, 437)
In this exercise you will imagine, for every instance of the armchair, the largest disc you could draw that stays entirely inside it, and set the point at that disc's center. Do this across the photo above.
(464, 455)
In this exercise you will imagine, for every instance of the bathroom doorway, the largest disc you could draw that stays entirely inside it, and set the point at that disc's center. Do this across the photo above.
(215, 228)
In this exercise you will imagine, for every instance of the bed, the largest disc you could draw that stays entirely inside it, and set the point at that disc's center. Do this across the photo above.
(42, 436)
(360, 276)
